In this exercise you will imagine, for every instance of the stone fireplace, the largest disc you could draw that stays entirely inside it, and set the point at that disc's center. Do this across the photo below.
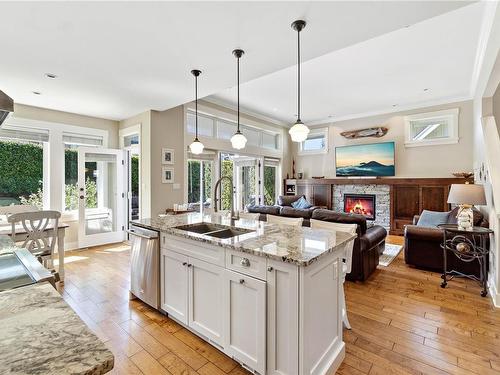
(381, 201)
(361, 204)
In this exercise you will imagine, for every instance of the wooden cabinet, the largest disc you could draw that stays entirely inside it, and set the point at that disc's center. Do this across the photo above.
(246, 322)
(282, 318)
(192, 293)
(174, 284)
(207, 311)
(410, 200)
(316, 194)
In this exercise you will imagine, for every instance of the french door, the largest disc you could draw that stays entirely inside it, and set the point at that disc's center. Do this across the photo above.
(247, 180)
(101, 189)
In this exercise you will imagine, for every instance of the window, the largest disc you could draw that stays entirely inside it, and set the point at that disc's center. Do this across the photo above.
(22, 173)
(316, 142)
(200, 183)
(225, 130)
(209, 126)
(205, 124)
(432, 128)
(72, 142)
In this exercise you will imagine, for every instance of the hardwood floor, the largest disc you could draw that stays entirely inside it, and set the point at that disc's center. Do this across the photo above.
(402, 323)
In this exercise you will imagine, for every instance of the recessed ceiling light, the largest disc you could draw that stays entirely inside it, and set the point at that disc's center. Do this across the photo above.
(407, 26)
(330, 116)
(50, 75)
(394, 105)
(37, 92)
(426, 89)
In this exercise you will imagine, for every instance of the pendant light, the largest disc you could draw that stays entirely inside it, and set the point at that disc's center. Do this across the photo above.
(298, 131)
(196, 147)
(238, 140)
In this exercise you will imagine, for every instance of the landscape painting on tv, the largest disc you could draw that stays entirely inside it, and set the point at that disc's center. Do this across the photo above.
(376, 159)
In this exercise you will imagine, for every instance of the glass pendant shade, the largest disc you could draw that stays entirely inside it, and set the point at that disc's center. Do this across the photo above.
(196, 147)
(238, 141)
(299, 132)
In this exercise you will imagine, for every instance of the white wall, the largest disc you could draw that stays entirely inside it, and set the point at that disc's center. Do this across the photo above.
(424, 161)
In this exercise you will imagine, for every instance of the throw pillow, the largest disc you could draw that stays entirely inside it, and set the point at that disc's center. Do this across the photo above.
(302, 203)
(432, 218)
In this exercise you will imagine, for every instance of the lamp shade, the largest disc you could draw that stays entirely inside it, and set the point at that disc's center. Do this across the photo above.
(299, 132)
(196, 147)
(467, 194)
(238, 141)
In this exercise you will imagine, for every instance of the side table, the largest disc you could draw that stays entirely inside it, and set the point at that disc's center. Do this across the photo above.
(468, 246)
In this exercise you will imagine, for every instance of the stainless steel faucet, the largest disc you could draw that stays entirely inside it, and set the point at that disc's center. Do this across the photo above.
(216, 200)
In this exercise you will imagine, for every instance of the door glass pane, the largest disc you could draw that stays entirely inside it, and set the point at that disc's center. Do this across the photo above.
(100, 193)
(269, 185)
(227, 166)
(248, 188)
(199, 184)
(70, 177)
(134, 185)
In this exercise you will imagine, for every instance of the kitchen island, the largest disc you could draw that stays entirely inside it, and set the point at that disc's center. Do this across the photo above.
(266, 295)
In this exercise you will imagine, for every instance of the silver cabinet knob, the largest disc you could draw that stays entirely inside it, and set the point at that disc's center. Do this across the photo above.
(242, 281)
(270, 269)
(245, 262)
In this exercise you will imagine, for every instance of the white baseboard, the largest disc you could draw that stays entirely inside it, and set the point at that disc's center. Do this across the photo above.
(494, 295)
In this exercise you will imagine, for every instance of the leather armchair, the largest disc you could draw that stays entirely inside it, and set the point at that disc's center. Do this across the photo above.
(423, 246)
(367, 246)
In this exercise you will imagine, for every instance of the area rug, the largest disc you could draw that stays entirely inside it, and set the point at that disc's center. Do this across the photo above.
(390, 253)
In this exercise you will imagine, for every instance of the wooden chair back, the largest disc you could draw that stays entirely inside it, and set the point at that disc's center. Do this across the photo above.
(294, 221)
(40, 229)
(349, 228)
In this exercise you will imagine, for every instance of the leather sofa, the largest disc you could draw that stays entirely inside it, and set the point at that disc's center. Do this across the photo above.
(284, 208)
(423, 246)
(367, 246)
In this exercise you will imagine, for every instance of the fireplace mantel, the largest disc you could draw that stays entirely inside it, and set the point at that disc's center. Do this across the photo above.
(408, 196)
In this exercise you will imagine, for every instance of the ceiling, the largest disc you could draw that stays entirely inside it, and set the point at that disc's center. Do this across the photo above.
(116, 59)
(428, 63)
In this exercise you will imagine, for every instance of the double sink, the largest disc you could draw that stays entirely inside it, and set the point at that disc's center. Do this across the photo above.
(214, 230)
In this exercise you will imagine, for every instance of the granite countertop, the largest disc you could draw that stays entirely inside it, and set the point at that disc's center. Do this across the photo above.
(41, 334)
(301, 246)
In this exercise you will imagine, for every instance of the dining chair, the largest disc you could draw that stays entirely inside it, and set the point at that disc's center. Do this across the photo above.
(40, 235)
(294, 221)
(347, 263)
(248, 215)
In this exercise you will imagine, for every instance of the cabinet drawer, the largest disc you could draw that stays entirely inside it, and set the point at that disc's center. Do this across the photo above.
(247, 264)
(199, 250)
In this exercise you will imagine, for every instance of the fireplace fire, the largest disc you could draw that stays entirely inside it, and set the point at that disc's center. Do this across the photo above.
(361, 204)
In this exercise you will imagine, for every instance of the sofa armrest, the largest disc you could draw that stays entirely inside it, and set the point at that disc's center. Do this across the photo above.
(415, 219)
(373, 237)
(423, 233)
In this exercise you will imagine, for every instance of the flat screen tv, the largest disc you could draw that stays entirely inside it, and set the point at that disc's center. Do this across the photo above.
(375, 159)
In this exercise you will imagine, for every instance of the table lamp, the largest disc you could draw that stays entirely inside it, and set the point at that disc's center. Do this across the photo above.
(466, 196)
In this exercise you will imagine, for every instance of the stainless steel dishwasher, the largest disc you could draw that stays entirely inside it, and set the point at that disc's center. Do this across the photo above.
(145, 265)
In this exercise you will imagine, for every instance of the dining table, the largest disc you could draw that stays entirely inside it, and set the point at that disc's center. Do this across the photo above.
(20, 235)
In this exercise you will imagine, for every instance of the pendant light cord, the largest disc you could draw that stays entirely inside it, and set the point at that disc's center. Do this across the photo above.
(196, 103)
(238, 83)
(298, 76)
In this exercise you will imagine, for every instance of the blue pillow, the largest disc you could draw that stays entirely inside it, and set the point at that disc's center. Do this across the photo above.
(432, 218)
(301, 203)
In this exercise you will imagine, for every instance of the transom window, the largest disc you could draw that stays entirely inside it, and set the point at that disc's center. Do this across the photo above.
(316, 142)
(432, 128)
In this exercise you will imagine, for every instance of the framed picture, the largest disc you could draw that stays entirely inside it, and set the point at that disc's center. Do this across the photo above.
(167, 175)
(167, 156)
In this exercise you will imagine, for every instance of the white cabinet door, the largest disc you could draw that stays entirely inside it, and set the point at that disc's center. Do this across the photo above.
(246, 323)
(282, 318)
(174, 284)
(207, 312)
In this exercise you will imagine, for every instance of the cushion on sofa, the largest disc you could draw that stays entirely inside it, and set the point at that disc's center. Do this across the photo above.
(432, 218)
(302, 203)
(341, 217)
(287, 200)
